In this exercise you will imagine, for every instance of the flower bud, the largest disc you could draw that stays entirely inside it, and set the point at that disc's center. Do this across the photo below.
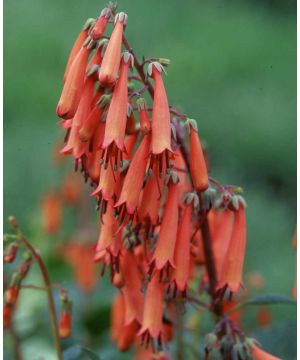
(7, 311)
(10, 253)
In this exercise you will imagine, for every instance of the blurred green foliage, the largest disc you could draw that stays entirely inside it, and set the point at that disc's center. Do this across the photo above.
(233, 68)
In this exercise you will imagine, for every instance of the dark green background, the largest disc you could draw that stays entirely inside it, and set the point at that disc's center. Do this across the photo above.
(233, 68)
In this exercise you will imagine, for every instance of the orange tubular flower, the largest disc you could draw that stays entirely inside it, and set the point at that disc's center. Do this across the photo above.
(90, 124)
(111, 60)
(123, 335)
(182, 251)
(71, 191)
(117, 113)
(131, 290)
(134, 179)
(198, 167)
(85, 103)
(164, 252)
(152, 326)
(221, 236)
(150, 203)
(93, 165)
(70, 96)
(231, 275)
(161, 124)
(80, 256)
(108, 228)
(108, 182)
(77, 45)
(101, 22)
(144, 116)
(51, 213)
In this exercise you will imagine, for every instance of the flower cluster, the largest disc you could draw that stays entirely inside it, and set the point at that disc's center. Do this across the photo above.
(149, 176)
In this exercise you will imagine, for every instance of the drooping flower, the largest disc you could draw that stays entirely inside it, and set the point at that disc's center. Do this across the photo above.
(182, 248)
(89, 126)
(134, 302)
(71, 189)
(123, 335)
(231, 274)
(134, 179)
(80, 257)
(93, 162)
(163, 256)
(51, 212)
(108, 228)
(144, 116)
(111, 61)
(198, 167)
(151, 199)
(81, 38)
(161, 124)
(116, 119)
(72, 90)
(100, 25)
(108, 181)
(221, 224)
(152, 325)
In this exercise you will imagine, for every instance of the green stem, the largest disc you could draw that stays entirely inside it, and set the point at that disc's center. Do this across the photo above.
(48, 289)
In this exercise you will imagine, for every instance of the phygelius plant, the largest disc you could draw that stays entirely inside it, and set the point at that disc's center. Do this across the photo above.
(169, 233)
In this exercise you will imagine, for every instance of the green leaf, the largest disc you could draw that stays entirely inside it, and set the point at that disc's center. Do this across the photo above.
(78, 352)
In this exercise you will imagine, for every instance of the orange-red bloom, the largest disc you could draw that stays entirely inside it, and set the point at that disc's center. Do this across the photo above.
(72, 189)
(111, 60)
(108, 228)
(144, 116)
(117, 113)
(197, 161)
(152, 326)
(80, 256)
(164, 252)
(134, 179)
(150, 202)
(7, 312)
(182, 250)
(77, 46)
(161, 124)
(123, 335)
(72, 90)
(65, 324)
(231, 275)
(100, 26)
(131, 290)
(51, 213)
(221, 222)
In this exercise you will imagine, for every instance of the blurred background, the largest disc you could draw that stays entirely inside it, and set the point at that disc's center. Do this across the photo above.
(233, 68)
